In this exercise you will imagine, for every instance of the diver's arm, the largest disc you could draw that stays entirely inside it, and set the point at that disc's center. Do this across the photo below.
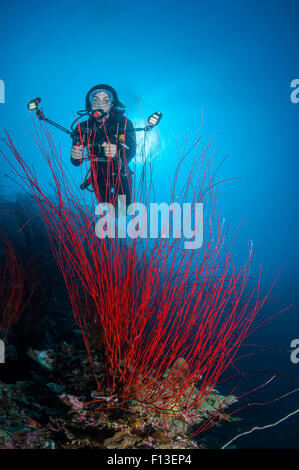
(77, 154)
(128, 149)
(77, 146)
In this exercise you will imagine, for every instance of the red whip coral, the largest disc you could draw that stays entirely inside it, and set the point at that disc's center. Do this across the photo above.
(14, 297)
(170, 320)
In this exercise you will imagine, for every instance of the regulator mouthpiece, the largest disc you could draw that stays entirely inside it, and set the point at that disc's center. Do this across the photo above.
(98, 114)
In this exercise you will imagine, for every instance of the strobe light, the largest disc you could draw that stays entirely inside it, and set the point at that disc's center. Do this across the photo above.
(33, 104)
(154, 119)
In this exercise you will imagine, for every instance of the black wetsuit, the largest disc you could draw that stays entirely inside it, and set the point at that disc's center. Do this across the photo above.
(108, 177)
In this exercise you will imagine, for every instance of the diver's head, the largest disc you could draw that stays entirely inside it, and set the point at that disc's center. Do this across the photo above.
(103, 98)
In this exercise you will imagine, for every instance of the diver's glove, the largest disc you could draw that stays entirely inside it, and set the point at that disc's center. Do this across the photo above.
(109, 149)
(77, 152)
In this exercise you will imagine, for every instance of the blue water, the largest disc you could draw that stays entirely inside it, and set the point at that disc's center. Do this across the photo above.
(233, 61)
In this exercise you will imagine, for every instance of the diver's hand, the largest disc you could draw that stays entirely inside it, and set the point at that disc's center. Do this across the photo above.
(77, 152)
(109, 149)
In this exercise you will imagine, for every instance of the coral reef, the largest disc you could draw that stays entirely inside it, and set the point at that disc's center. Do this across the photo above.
(48, 409)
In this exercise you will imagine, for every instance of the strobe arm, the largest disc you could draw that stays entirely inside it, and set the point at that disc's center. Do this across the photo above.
(33, 105)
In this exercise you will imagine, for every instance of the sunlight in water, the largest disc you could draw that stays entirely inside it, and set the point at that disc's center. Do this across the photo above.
(149, 145)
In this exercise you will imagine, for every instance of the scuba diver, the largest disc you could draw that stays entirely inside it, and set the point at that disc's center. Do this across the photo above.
(110, 141)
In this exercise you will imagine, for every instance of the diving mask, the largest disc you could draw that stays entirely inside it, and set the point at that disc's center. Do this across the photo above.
(101, 97)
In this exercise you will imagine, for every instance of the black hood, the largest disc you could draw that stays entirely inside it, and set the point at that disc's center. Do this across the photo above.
(116, 102)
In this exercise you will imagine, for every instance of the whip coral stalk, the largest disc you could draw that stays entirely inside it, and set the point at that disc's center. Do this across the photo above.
(170, 321)
(13, 296)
